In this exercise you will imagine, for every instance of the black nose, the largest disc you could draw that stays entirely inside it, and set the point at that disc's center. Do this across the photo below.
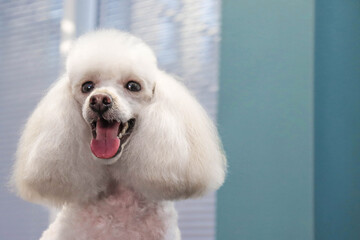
(100, 103)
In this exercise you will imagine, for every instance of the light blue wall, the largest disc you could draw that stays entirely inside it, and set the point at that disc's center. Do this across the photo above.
(337, 120)
(266, 120)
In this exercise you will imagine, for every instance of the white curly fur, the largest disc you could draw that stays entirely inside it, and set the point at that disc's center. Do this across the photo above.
(173, 152)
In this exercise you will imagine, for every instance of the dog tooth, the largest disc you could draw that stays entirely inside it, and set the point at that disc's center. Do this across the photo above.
(126, 126)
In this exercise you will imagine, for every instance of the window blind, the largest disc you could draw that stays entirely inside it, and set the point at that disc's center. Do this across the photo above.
(29, 63)
(184, 35)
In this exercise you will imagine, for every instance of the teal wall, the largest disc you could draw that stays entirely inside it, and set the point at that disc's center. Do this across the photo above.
(337, 120)
(289, 117)
(266, 120)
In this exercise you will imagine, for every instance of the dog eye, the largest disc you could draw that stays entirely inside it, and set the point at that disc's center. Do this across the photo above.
(87, 87)
(133, 86)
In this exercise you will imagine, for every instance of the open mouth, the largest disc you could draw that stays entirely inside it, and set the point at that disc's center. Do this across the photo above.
(110, 137)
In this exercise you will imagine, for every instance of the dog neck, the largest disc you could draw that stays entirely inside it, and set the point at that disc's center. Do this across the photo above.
(123, 214)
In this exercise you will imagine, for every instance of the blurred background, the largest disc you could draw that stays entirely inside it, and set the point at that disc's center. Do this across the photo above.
(280, 78)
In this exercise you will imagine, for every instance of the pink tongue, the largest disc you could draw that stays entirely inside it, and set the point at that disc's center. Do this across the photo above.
(107, 142)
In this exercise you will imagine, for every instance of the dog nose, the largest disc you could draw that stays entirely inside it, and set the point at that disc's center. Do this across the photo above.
(100, 103)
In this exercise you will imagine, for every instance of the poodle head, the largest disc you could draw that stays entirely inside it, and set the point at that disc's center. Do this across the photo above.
(115, 117)
(112, 78)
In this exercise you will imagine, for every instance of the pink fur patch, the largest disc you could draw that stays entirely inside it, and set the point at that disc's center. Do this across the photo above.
(123, 215)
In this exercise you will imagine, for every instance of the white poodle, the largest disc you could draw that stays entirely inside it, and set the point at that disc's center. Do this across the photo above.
(114, 142)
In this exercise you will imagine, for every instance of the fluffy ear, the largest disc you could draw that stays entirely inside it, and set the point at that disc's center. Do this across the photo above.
(175, 151)
(53, 162)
